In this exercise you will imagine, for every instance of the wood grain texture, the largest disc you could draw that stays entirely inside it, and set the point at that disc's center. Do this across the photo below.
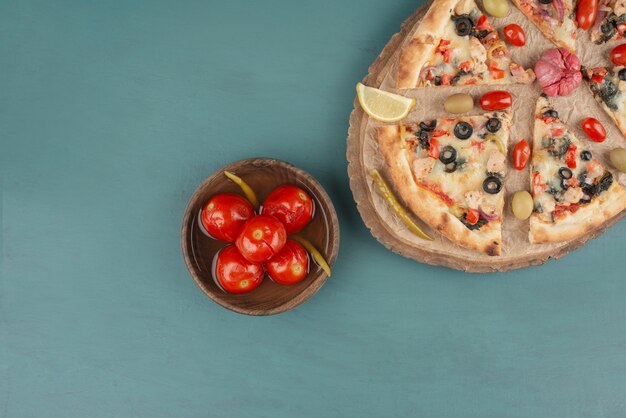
(383, 225)
(263, 175)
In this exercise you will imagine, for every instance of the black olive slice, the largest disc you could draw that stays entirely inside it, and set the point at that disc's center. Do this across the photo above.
(622, 74)
(565, 173)
(463, 130)
(552, 113)
(463, 25)
(450, 167)
(428, 126)
(564, 185)
(447, 154)
(493, 125)
(545, 1)
(585, 155)
(492, 185)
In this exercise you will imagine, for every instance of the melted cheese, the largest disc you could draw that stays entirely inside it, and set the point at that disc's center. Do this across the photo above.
(465, 184)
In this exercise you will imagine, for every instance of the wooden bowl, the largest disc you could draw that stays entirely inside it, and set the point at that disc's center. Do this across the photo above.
(263, 175)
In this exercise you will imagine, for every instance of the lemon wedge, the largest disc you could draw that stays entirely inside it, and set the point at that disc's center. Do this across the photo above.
(382, 105)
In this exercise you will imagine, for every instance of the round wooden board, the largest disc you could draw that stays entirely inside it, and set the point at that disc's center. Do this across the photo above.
(362, 153)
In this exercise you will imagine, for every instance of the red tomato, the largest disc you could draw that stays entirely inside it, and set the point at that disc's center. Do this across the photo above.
(472, 216)
(261, 237)
(618, 55)
(570, 156)
(291, 205)
(496, 73)
(594, 129)
(224, 215)
(514, 34)
(496, 100)
(586, 13)
(521, 154)
(290, 265)
(234, 274)
(433, 151)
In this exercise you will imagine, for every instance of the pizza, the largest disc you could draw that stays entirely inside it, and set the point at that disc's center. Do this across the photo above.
(555, 18)
(610, 21)
(572, 191)
(609, 89)
(456, 45)
(450, 173)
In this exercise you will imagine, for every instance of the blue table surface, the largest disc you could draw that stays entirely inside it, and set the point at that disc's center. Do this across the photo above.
(112, 112)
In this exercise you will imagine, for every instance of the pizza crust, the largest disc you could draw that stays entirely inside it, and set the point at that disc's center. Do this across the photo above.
(575, 225)
(422, 46)
(427, 206)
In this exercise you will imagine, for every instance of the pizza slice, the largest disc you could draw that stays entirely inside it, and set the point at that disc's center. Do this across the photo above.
(450, 173)
(610, 21)
(456, 45)
(609, 89)
(572, 191)
(555, 18)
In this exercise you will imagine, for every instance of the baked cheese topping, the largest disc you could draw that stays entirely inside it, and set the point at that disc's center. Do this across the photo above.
(470, 51)
(610, 91)
(463, 162)
(564, 175)
(610, 21)
(556, 19)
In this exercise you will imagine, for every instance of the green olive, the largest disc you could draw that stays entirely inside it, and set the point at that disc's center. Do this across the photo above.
(618, 159)
(459, 103)
(522, 204)
(496, 8)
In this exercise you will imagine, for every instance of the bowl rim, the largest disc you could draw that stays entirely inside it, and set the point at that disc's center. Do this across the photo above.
(308, 291)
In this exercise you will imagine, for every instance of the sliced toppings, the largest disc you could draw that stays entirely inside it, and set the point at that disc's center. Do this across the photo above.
(463, 25)
(564, 177)
(555, 18)
(493, 125)
(492, 184)
(604, 86)
(447, 154)
(565, 173)
(496, 161)
(450, 156)
(467, 51)
(463, 130)
(428, 126)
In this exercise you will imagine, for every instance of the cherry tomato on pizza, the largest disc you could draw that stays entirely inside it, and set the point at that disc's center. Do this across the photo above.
(291, 205)
(433, 150)
(521, 154)
(496, 100)
(594, 129)
(224, 215)
(473, 216)
(618, 55)
(261, 237)
(570, 156)
(514, 34)
(586, 12)
(234, 274)
(290, 265)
